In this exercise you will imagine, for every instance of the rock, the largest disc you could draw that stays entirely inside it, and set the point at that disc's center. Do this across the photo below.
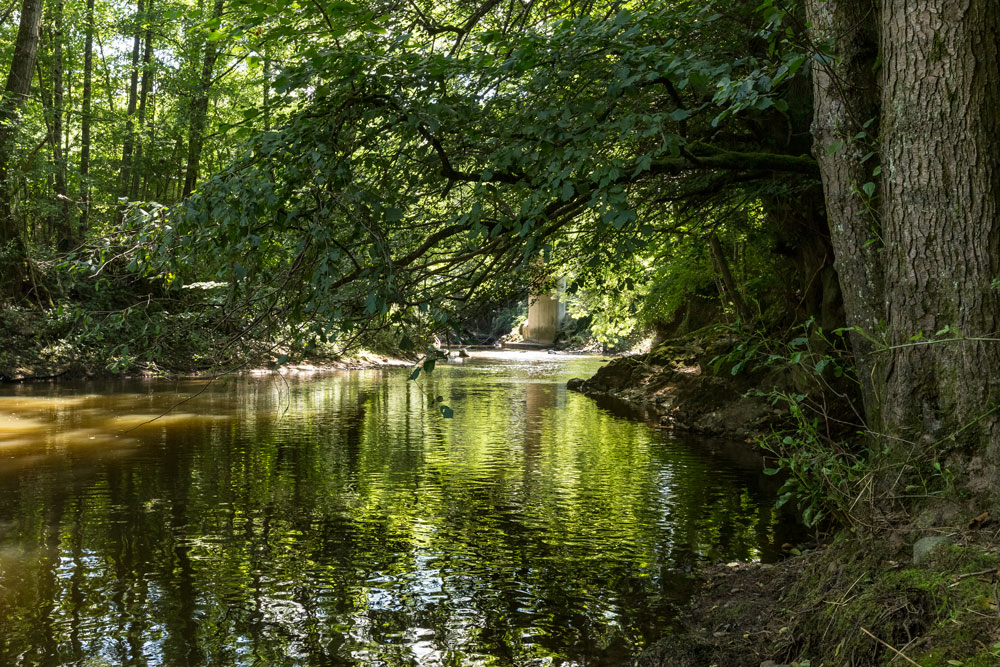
(463, 354)
(576, 384)
(925, 546)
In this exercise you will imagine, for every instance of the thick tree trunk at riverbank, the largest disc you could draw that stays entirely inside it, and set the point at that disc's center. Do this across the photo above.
(917, 238)
(845, 99)
(941, 146)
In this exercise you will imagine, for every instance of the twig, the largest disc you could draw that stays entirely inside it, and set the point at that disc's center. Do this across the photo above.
(898, 653)
(980, 573)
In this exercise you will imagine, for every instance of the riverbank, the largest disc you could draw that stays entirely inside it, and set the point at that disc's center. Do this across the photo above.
(60, 343)
(361, 360)
(712, 382)
(921, 589)
(931, 602)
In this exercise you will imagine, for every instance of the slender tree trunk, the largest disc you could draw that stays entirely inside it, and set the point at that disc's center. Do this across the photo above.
(15, 92)
(147, 83)
(133, 96)
(729, 288)
(58, 156)
(199, 111)
(88, 67)
(267, 89)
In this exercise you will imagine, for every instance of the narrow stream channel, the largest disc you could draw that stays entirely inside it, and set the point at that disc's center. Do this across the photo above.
(338, 520)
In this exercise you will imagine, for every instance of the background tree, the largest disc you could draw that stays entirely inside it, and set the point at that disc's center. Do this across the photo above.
(15, 92)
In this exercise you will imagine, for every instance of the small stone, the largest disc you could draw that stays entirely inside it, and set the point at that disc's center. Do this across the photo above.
(925, 546)
(575, 384)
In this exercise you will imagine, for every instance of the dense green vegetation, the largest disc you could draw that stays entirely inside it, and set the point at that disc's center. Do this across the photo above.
(349, 168)
(193, 185)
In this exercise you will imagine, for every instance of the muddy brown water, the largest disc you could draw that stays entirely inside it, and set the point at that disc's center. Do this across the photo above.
(338, 519)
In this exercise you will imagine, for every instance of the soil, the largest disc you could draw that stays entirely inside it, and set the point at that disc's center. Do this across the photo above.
(698, 384)
(853, 603)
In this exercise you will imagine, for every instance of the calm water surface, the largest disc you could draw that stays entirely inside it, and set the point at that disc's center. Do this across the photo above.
(339, 520)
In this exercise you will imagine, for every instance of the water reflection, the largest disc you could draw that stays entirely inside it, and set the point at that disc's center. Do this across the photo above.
(339, 520)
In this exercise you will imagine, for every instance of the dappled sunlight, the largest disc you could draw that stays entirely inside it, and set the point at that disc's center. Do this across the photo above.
(43, 403)
(12, 425)
(135, 422)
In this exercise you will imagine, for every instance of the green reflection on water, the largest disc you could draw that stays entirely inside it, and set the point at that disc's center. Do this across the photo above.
(339, 520)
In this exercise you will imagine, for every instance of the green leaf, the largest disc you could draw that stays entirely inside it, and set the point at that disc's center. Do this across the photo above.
(869, 188)
(567, 191)
(429, 366)
(447, 412)
(415, 374)
(834, 147)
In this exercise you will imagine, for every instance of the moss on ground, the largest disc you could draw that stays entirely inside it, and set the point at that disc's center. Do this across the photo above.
(846, 605)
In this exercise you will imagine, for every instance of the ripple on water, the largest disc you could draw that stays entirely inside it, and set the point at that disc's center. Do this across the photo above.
(341, 520)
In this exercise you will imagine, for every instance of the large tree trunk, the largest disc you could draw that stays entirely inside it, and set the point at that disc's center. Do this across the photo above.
(918, 246)
(941, 149)
(845, 104)
(88, 67)
(15, 92)
(199, 111)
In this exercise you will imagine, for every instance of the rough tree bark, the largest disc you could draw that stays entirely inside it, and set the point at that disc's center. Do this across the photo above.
(918, 254)
(941, 148)
(845, 104)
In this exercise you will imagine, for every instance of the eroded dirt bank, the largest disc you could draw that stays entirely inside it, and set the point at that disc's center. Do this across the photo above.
(684, 386)
(931, 602)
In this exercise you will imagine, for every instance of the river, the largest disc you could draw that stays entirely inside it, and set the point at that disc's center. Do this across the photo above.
(339, 519)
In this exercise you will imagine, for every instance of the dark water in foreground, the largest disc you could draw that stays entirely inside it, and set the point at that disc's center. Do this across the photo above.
(337, 520)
